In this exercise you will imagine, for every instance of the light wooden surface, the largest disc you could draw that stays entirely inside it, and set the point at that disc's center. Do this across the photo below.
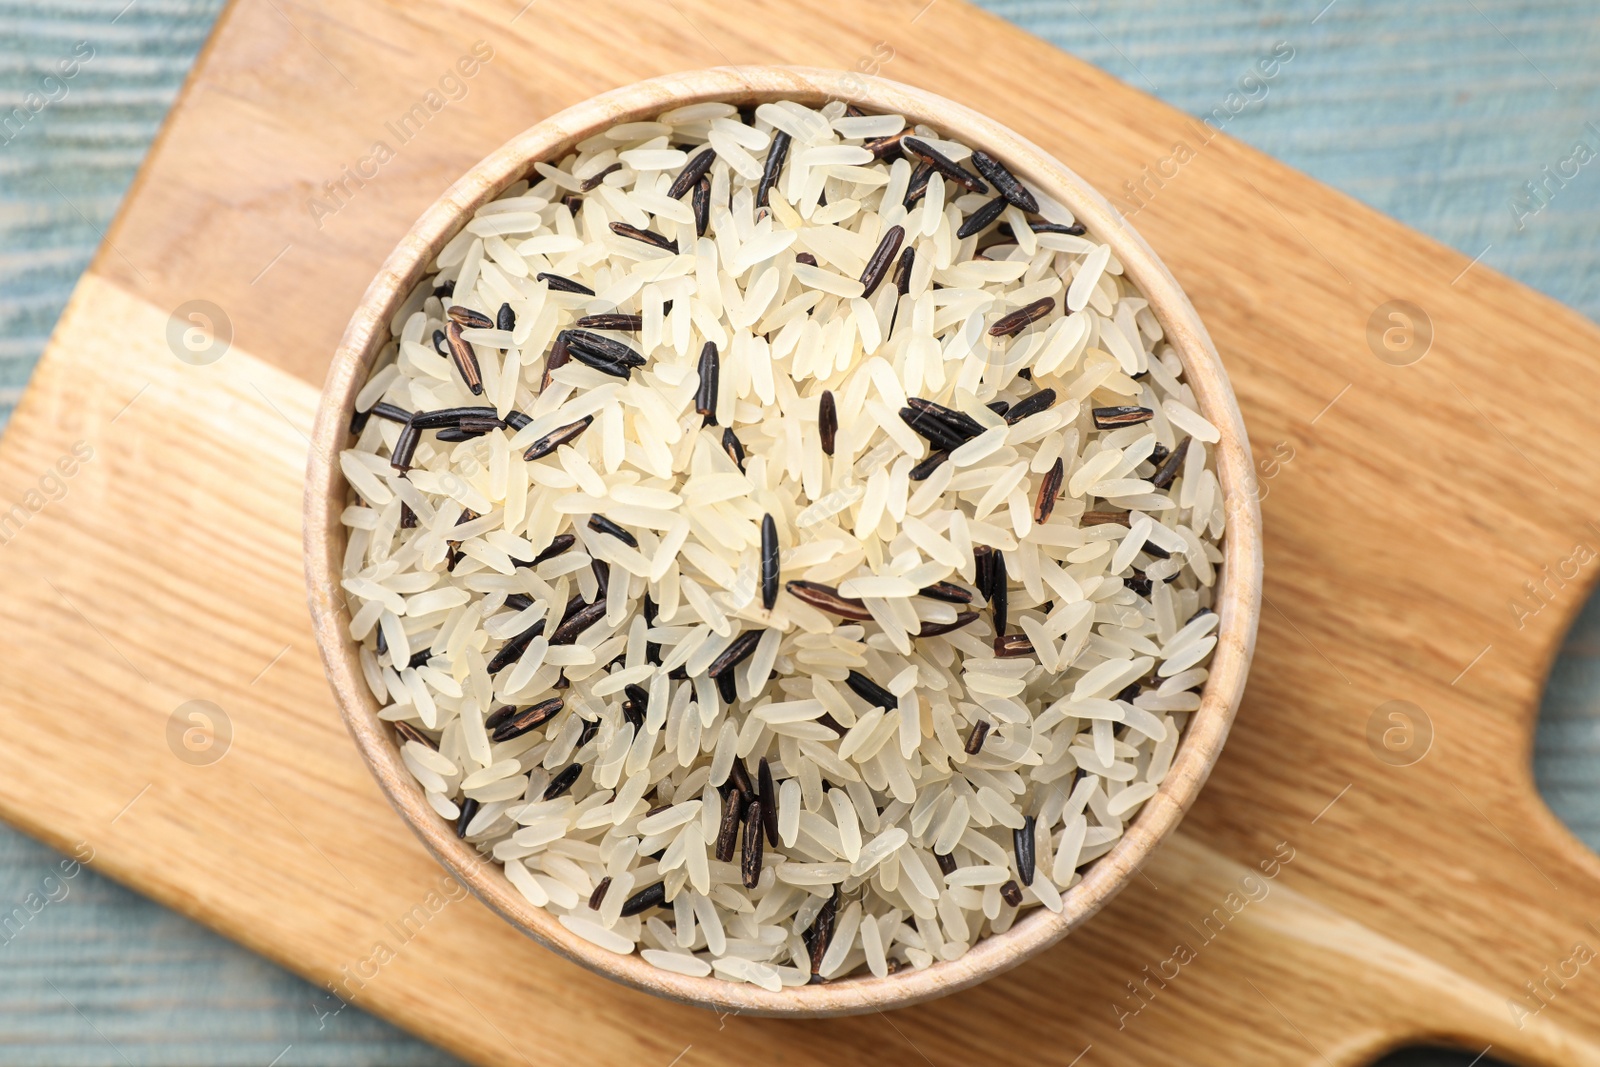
(1415, 508)
(1237, 589)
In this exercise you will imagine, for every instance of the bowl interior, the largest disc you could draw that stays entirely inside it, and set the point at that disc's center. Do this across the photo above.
(1237, 590)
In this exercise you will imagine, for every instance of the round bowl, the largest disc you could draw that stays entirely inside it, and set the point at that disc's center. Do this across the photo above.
(1238, 589)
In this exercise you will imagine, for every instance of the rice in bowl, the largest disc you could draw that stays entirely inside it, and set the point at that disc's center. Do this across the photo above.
(784, 541)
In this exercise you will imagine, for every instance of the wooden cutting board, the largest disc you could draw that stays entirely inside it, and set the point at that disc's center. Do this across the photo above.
(1352, 878)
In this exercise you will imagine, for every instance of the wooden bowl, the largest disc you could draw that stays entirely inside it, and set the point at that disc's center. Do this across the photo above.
(1238, 590)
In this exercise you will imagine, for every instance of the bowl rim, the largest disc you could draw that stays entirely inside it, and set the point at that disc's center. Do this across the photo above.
(1238, 584)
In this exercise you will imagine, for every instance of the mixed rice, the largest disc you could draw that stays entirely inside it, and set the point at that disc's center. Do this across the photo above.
(784, 541)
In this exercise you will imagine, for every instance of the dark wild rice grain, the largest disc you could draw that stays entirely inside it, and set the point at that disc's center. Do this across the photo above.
(921, 471)
(701, 202)
(527, 719)
(559, 354)
(1030, 405)
(820, 936)
(980, 219)
(1022, 843)
(604, 347)
(769, 562)
(882, 259)
(768, 796)
(601, 524)
(411, 733)
(948, 592)
(1011, 893)
(946, 862)
(585, 617)
(692, 172)
(562, 782)
(1103, 518)
(593, 180)
(739, 780)
(902, 270)
(1013, 646)
(1170, 466)
(405, 447)
(728, 827)
(886, 148)
(558, 544)
(442, 417)
(983, 560)
(605, 365)
(598, 897)
(776, 154)
(466, 360)
(917, 188)
(1020, 319)
(705, 394)
(623, 323)
(999, 595)
(871, 691)
(827, 598)
(505, 318)
(514, 648)
(469, 809)
(649, 237)
(590, 728)
(937, 629)
(563, 285)
(959, 421)
(1114, 417)
(975, 739)
(561, 435)
(944, 165)
(651, 896)
(750, 861)
(827, 421)
(733, 447)
(1077, 229)
(637, 706)
(736, 653)
(1005, 183)
(1049, 491)
(465, 316)
(938, 433)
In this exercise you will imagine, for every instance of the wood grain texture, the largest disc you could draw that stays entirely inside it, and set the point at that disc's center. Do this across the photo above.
(1416, 905)
(1237, 588)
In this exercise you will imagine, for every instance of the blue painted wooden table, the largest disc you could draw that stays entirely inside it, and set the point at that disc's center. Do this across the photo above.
(1458, 117)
